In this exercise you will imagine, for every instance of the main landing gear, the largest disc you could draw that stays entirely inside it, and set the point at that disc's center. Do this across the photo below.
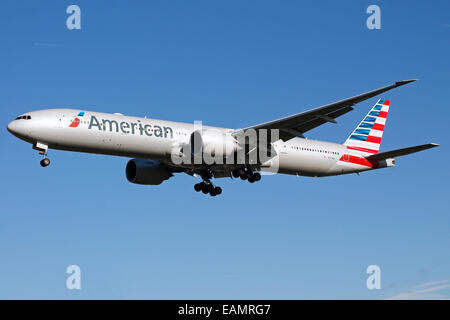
(246, 174)
(207, 187)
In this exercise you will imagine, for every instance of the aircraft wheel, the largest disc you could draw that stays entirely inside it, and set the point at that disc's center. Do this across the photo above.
(251, 179)
(218, 190)
(235, 173)
(45, 162)
(212, 193)
(205, 188)
(198, 187)
(257, 176)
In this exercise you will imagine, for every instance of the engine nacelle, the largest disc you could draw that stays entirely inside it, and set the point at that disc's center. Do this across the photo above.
(150, 172)
(212, 143)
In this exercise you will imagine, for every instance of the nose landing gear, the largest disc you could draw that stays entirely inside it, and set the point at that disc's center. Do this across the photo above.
(42, 148)
(45, 162)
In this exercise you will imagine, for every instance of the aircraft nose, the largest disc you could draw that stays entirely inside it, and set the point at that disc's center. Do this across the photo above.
(11, 127)
(18, 128)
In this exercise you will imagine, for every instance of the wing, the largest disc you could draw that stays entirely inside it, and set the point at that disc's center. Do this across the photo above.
(297, 124)
(400, 152)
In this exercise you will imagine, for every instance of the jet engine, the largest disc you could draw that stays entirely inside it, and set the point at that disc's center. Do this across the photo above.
(212, 143)
(149, 172)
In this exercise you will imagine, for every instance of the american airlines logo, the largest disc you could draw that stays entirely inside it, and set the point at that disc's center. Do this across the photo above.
(76, 121)
(125, 127)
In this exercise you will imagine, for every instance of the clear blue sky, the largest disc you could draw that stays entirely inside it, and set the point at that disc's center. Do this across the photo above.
(231, 64)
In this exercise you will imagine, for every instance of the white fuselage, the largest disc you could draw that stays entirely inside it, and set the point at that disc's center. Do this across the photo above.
(119, 135)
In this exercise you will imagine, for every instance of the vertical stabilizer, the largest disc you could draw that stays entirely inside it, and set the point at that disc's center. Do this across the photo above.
(366, 138)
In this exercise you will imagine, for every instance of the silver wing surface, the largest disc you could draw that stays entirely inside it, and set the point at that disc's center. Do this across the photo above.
(297, 124)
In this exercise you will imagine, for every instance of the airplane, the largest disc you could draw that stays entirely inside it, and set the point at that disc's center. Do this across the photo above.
(156, 146)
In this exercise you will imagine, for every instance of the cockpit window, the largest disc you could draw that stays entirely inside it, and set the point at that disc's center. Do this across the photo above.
(26, 117)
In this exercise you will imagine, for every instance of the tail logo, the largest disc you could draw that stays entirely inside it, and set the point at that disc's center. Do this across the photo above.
(366, 138)
(76, 121)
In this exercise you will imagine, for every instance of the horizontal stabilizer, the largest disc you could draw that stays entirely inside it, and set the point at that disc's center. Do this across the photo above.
(401, 152)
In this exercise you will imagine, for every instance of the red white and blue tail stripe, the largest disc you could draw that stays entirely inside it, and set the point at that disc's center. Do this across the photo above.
(366, 138)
